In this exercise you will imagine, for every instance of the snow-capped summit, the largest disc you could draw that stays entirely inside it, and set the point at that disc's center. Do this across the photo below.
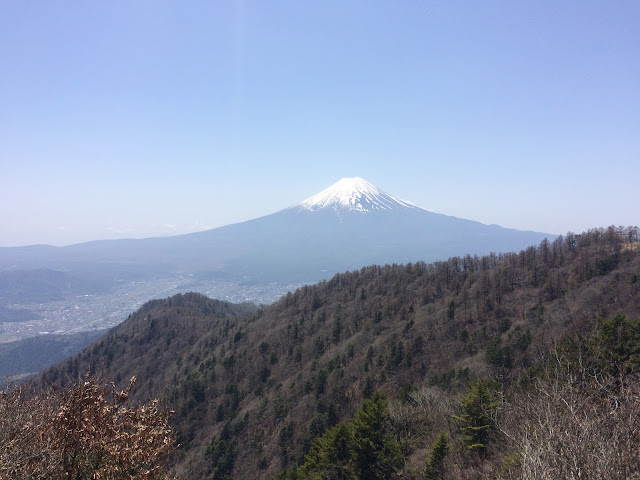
(353, 194)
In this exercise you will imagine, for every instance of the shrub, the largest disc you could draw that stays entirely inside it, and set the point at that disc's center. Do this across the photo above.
(87, 431)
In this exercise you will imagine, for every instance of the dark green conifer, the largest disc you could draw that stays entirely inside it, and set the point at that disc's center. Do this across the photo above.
(476, 423)
(434, 465)
(377, 452)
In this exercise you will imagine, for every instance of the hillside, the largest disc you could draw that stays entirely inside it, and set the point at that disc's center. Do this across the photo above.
(31, 355)
(251, 392)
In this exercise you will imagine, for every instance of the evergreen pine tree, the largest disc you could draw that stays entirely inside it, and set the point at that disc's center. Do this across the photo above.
(475, 419)
(434, 465)
(377, 453)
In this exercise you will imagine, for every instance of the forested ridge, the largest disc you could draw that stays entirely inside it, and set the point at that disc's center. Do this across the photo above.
(396, 365)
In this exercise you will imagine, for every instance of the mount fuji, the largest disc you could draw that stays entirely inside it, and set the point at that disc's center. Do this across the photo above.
(347, 226)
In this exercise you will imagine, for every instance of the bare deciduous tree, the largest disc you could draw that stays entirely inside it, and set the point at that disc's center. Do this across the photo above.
(575, 430)
(87, 431)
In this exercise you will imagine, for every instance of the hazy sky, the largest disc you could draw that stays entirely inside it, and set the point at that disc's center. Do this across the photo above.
(130, 119)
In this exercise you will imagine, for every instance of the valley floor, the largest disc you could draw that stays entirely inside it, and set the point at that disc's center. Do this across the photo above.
(88, 312)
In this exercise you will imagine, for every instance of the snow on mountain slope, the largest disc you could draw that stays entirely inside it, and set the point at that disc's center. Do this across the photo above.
(353, 194)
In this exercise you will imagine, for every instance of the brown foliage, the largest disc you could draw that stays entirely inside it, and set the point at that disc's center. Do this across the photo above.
(87, 431)
(570, 426)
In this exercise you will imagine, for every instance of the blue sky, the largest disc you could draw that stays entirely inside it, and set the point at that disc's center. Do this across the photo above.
(132, 119)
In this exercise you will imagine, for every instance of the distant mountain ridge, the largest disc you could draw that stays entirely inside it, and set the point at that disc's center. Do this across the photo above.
(347, 226)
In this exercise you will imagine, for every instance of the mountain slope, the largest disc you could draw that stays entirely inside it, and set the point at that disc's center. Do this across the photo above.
(349, 225)
(29, 356)
(263, 386)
